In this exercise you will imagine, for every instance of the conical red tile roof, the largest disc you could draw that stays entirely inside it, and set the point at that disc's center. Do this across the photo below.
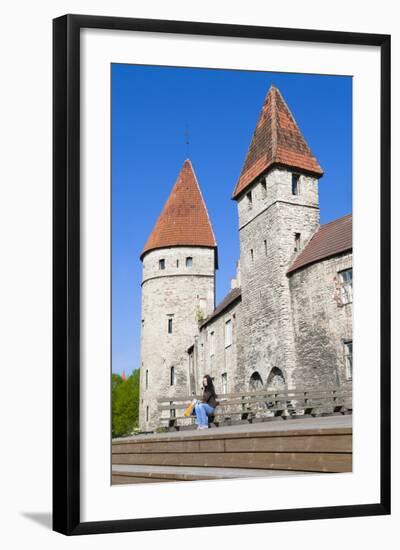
(276, 140)
(184, 220)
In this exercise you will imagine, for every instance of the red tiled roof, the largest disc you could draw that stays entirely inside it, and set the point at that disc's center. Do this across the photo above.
(184, 220)
(276, 140)
(229, 299)
(330, 239)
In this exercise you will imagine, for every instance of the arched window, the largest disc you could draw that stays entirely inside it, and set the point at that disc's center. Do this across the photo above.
(256, 382)
(275, 378)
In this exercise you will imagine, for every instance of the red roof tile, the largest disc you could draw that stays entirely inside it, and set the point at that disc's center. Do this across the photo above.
(276, 140)
(184, 220)
(331, 239)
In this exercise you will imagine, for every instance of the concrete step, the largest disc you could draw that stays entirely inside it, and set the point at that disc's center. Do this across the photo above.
(316, 445)
(124, 474)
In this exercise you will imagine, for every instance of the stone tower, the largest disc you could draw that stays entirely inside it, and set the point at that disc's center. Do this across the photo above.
(278, 209)
(178, 289)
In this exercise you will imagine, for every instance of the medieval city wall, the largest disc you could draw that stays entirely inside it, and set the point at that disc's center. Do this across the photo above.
(322, 323)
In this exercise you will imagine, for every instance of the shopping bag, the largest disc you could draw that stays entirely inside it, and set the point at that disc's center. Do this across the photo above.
(189, 409)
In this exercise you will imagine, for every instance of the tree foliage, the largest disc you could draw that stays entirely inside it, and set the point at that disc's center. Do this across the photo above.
(125, 404)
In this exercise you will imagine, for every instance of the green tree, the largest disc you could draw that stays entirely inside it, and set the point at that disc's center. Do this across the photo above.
(116, 382)
(125, 404)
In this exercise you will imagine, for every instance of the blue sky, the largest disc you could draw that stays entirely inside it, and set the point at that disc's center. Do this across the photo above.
(151, 109)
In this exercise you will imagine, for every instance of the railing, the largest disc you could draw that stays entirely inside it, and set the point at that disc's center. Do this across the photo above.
(260, 405)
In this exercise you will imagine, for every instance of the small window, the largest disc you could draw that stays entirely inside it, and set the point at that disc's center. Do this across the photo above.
(297, 242)
(228, 333)
(212, 343)
(224, 381)
(265, 247)
(189, 261)
(348, 359)
(346, 286)
(170, 325)
(191, 362)
(252, 254)
(172, 376)
(264, 186)
(295, 184)
(142, 323)
(177, 263)
(172, 412)
(147, 413)
(161, 264)
(249, 198)
(147, 379)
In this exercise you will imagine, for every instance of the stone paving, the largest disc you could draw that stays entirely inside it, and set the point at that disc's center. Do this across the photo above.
(204, 472)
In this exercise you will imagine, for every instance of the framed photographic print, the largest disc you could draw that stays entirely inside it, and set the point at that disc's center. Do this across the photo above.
(221, 245)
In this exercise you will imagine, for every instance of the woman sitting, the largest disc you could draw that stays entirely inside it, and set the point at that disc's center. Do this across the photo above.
(206, 406)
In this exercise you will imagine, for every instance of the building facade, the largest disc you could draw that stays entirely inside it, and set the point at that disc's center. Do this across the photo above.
(287, 321)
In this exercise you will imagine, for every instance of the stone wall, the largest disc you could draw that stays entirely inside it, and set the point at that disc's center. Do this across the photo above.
(267, 225)
(184, 295)
(292, 325)
(321, 322)
(224, 356)
(276, 186)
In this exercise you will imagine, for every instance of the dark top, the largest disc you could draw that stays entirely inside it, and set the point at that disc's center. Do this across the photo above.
(209, 398)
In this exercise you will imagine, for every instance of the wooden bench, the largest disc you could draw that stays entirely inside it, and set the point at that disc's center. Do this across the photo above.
(259, 406)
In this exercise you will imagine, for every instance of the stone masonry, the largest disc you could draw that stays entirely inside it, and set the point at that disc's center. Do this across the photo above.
(173, 301)
(287, 321)
(216, 349)
(322, 323)
(268, 225)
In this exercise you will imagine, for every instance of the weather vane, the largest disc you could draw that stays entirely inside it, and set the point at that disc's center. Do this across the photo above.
(187, 141)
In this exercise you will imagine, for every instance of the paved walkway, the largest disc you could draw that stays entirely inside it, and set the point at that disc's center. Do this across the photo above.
(204, 472)
(342, 421)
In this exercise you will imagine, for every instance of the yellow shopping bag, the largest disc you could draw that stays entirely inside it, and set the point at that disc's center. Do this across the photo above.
(188, 410)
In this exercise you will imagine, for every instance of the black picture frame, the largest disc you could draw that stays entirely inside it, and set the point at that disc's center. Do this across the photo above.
(66, 273)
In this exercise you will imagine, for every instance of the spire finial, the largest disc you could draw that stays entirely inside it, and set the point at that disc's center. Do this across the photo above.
(187, 141)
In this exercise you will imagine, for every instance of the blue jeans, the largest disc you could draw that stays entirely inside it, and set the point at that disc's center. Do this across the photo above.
(203, 410)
